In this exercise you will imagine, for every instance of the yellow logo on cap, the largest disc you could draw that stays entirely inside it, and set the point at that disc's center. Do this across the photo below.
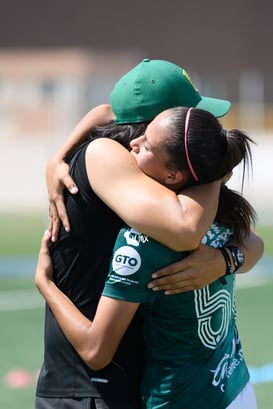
(189, 79)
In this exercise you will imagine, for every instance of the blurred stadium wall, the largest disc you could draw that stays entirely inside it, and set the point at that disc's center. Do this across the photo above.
(44, 93)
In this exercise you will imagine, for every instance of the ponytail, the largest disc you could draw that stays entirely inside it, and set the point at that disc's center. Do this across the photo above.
(237, 150)
(236, 213)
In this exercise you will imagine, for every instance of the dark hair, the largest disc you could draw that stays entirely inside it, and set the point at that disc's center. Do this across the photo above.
(212, 151)
(212, 154)
(235, 212)
(123, 134)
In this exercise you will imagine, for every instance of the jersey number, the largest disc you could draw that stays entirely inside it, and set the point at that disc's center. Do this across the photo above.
(213, 315)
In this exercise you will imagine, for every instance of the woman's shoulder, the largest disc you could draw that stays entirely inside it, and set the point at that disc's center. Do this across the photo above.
(100, 144)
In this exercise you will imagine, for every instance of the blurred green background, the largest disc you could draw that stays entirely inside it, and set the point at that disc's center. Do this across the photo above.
(21, 234)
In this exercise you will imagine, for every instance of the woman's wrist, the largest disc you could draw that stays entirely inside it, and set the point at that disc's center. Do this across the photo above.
(234, 260)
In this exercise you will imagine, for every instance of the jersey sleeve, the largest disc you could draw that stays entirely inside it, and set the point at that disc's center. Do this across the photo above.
(130, 268)
(135, 258)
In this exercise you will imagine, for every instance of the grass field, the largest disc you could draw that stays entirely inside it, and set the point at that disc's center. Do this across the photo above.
(22, 315)
(21, 341)
(255, 306)
(21, 234)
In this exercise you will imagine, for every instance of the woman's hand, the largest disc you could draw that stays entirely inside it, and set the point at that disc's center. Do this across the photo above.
(101, 114)
(58, 177)
(44, 269)
(203, 266)
(200, 268)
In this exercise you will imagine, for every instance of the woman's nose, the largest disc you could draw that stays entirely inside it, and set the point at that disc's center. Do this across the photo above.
(135, 144)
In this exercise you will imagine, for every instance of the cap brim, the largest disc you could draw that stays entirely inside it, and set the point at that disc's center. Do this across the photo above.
(217, 107)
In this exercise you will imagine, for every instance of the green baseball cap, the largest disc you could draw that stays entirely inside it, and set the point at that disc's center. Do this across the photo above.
(155, 85)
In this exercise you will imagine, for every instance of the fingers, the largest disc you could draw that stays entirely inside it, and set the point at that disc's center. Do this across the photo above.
(44, 267)
(56, 224)
(54, 221)
(171, 269)
(70, 184)
(45, 242)
(57, 175)
(167, 280)
(200, 268)
(173, 279)
(57, 215)
(178, 283)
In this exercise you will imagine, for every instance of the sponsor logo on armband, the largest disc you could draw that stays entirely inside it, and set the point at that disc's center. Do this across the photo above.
(126, 261)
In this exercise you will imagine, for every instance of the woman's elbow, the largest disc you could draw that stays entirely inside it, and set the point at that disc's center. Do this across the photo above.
(96, 360)
(187, 241)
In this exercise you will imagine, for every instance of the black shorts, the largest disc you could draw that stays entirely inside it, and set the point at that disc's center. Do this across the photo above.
(79, 403)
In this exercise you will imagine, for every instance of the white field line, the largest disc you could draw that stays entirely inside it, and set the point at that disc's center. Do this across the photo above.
(14, 300)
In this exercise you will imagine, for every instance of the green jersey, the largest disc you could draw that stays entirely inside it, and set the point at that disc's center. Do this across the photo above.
(193, 357)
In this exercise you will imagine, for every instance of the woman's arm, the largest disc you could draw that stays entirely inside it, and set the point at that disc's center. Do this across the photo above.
(179, 222)
(58, 177)
(203, 266)
(90, 339)
(57, 171)
(253, 249)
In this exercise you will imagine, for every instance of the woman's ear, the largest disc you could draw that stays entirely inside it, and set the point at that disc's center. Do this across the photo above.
(175, 177)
